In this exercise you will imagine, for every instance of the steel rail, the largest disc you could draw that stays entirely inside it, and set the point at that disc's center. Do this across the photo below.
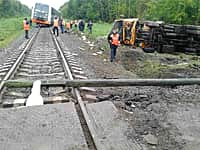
(76, 93)
(19, 60)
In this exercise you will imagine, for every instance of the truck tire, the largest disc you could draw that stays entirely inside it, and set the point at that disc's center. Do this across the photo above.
(149, 50)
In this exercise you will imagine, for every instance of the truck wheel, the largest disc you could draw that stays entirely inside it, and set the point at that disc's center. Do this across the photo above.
(159, 48)
(149, 50)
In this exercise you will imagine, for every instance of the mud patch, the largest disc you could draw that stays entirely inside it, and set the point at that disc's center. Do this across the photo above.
(157, 65)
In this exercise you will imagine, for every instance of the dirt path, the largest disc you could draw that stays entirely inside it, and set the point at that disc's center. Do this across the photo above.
(159, 117)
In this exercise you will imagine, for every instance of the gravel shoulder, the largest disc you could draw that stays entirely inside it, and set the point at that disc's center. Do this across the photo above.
(7, 52)
(159, 117)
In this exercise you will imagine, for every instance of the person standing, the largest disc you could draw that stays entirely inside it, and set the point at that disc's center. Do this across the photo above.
(114, 41)
(24, 21)
(89, 25)
(81, 25)
(62, 25)
(26, 27)
(76, 24)
(55, 26)
(71, 23)
(30, 21)
(68, 27)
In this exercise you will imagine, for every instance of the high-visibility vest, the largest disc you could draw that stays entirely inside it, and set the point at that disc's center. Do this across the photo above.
(68, 25)
(143, 45)
(55, 23)
(115, 39)
(26, 26)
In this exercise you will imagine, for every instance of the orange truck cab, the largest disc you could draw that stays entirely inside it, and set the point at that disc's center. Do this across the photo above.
(127, 30)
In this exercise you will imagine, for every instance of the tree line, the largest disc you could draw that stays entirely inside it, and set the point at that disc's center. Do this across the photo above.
(10, 8)
(170, 11)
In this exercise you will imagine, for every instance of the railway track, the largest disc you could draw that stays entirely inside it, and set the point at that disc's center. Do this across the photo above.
(42, 58)
(45, 57)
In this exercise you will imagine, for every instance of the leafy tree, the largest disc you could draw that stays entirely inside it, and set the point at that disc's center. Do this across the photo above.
(179, 11)
(9, 8)
(172, 11)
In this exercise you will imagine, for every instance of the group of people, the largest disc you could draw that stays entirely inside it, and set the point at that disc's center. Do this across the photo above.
(81, 26)
(113, 37)
(61, 22)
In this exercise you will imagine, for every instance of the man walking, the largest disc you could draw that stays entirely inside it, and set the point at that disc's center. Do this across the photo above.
(89, 25)
(81, 26)
(26, 27)
(55, 26)
(114, 41)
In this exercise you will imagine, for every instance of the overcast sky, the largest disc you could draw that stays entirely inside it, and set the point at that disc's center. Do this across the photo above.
(55, 3)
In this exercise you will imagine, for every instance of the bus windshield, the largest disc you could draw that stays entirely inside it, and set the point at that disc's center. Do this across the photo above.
(41, 10)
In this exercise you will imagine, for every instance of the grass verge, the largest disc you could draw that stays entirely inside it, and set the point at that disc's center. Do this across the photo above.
(10, 28)
(98, 30)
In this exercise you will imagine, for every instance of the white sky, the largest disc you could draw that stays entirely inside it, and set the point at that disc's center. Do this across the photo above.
(54, 3)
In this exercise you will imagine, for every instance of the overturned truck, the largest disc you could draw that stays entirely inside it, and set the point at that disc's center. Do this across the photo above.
(158, 36)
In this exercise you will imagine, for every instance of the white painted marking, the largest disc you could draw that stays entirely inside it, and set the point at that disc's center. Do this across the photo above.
(35, 98)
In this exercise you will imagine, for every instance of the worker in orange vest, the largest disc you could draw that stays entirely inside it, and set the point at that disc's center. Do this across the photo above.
(55, 26)
(68, 26)
(114, 41)
(26, 27)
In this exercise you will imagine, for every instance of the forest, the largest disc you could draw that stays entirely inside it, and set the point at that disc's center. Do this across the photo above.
(170, 11)
(12, 8)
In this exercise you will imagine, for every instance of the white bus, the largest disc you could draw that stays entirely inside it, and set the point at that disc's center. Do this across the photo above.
(43, 14)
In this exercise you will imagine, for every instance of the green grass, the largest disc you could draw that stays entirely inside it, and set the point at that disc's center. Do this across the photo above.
(98, 30)
(10, 28)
